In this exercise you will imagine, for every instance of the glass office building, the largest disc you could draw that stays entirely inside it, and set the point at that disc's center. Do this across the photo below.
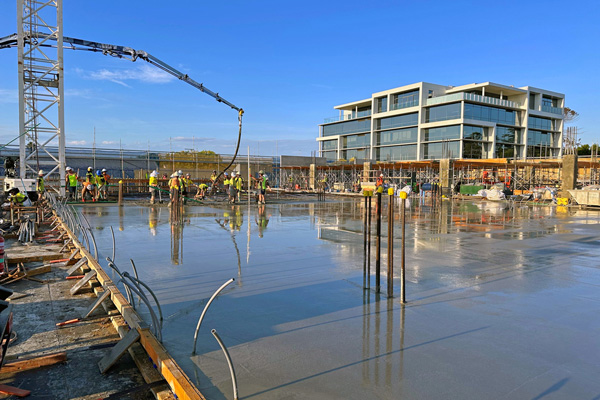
(424, 121)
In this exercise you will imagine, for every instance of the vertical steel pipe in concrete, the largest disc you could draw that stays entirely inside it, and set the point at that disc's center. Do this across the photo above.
(378, 245)
(369, 245)
(231, 369)
(403, 264)
(215, 294)
(390, 244)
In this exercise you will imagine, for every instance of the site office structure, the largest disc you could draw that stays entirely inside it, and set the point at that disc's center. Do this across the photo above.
(425, 121)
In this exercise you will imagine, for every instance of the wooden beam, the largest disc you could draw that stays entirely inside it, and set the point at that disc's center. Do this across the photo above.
(32, 363)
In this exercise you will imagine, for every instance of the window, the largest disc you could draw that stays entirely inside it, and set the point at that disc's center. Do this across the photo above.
(356, 153)
(442, 133)
(363, 125)
(404, 100)
(356, 140)
(397, 121)
(539, 123)
(539, 138)
(475, 132)
(442, 113)
(329, 145)
(531, 101)
(329, 155)
(381, 104)
(492, 114)
(505, 134)
(505, 150)
(396, 153)
(473, 150)
(397, 136)
(433, 151)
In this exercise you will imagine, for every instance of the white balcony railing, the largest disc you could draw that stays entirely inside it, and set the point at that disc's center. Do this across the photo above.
(472, 97)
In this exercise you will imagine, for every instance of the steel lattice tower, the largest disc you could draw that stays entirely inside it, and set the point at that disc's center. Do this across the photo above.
(41, 86)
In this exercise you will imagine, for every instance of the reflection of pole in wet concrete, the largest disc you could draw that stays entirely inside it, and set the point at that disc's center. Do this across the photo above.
(401, 364)
(366, 343)
(377, 336)
(378, 245)
(403, 197)
(248, 221)
(389, 335)
(121, 214)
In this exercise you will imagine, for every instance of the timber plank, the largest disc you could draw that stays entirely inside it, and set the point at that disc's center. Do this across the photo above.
(32, 363)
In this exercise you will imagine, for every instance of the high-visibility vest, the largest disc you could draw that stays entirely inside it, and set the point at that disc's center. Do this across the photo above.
(238, 183)
(89, 177)
(174, 183)
(18, 198)
(226, 182)
(40, 184)
(72, 180)
(153, 181)
(263, 183)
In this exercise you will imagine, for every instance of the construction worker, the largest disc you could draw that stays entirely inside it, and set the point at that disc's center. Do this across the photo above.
(153, 185)
(324, 182)
(232, 191)
(263, 184)
(174, 186)
(89, 186)
(189, 183)
(201, 191)
(213, 177)
(40, 184)
(238, 182)
(72, 183)
(379, 181)
(106, 178)
(100, 183)
(16, 197)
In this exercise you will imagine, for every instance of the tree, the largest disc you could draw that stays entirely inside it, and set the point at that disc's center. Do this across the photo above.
(586, 149)
(570, 115)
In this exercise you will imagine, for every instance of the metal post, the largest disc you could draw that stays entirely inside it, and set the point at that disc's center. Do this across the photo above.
(365, 243)
(390, 249)
(378, 245)
(369, 245)
(403, 197)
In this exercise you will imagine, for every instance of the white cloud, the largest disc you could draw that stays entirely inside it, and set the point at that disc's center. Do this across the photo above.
(77, 142)
(142, 73)
(109, 142)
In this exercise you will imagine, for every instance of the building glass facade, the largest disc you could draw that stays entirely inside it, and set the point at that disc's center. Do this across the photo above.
(425, 121)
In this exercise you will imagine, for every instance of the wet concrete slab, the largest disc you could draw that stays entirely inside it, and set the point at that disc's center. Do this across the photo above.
(502, 301)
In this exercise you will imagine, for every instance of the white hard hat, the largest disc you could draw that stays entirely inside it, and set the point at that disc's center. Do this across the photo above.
(175, 173)
(69, 169)
(41, 172)
(180, 172)
(154, 174)
(103, 169)
(381, 175)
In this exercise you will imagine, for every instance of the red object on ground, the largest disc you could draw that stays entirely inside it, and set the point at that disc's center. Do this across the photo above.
(71, 321)
(57, 261)
(75, 277)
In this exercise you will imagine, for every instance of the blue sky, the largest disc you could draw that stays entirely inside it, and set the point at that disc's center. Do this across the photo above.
(288, 63)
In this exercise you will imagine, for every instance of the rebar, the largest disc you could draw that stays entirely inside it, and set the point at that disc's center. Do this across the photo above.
(215, 294)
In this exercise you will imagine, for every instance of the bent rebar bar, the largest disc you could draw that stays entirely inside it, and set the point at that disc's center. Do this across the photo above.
(215, 294)
(228, 357)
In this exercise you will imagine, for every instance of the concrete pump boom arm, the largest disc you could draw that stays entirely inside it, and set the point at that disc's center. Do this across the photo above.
(121, 52)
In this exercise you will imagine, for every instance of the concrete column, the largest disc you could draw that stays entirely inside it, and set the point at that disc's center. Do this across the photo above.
(569, 173)
(312, 176)
(366, 171)
(446, 176)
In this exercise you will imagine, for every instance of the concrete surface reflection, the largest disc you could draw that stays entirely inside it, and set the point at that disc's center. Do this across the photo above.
(502, 299)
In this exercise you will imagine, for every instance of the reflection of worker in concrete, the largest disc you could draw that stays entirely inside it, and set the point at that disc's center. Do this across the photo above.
(239, 218)
(262, 220)
(153, 220)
